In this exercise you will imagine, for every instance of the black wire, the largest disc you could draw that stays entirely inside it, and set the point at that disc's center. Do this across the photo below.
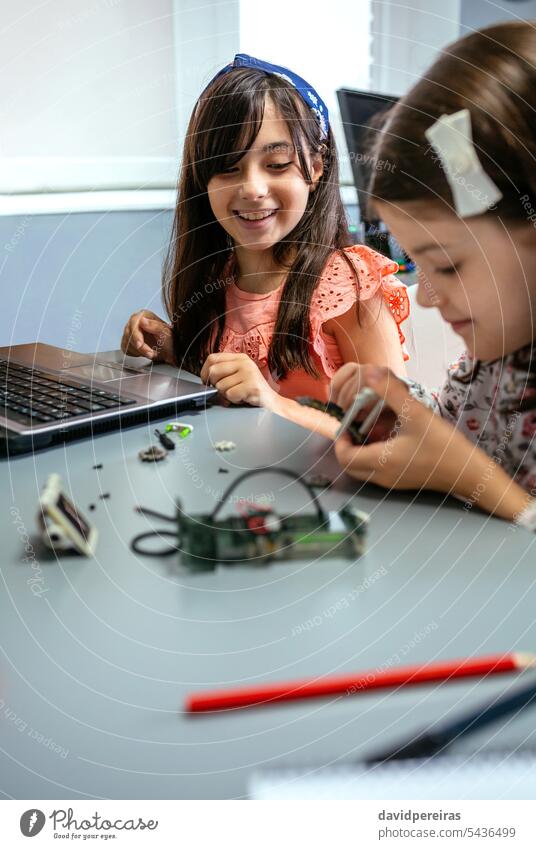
(147, 512)
(134, 544)
(163, 552)
(286, 472)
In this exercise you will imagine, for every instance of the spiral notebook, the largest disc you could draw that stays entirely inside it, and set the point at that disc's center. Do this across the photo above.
(470, 776)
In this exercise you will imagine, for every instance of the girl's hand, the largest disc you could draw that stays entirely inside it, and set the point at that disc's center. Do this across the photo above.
(147, 335)
(238, 379)
(422, 450)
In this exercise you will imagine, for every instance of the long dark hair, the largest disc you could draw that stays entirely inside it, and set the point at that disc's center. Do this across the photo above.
(223, 126)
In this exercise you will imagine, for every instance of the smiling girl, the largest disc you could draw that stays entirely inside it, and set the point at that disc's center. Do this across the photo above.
(266, 297)
(463, 206)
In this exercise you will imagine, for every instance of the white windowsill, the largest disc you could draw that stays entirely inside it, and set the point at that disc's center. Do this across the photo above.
(72, 202)
(105, 201)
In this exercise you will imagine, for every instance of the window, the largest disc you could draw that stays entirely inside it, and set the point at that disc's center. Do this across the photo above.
(329, 48)
(406, 38)
(96, 94)
(87, 94)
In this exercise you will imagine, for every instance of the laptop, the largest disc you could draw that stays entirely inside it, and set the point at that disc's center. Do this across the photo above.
(50, 394)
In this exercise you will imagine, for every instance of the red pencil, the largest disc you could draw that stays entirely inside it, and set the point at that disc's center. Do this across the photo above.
(403, 676)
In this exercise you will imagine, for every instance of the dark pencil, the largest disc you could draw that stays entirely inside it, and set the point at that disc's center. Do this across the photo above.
(431, 742)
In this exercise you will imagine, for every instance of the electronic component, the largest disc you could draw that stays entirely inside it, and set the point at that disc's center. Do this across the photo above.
(318, 481)
(332, 410)
(224, 445)
(62, 525)
(180, 428)
(364, 397)
(152, 454)
(259, 535)
(358, 431)
(165, 441)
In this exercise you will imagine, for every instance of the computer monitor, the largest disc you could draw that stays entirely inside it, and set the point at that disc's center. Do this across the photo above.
(362, 117)
(361, 113)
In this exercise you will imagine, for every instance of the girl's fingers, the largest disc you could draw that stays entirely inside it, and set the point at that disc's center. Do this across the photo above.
(348, 381)
(214, 369)
(222, 370)
(348, 393)
(359, 460)
(139, 347)
(344, 375)
(389, 387)
(227, 383)
(133, 333)
(129, 341)
(146, 351)
(137, 339)
(141, 324)
(154, 325)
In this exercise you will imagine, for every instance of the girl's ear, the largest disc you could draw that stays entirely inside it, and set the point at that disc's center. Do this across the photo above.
(317, 169)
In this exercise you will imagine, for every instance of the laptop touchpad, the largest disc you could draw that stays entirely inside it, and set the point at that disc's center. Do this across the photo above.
(142, 382)
(104, 372)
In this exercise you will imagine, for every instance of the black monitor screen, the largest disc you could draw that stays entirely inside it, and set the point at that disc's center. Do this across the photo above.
(361, 113)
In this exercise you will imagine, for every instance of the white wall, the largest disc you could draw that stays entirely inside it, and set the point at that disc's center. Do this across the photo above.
(207, 36)
(406, 38)
(476, 14)
(87, 78)
(83, 81)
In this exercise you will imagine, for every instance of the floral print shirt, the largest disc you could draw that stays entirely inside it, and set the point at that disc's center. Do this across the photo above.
(494, 405)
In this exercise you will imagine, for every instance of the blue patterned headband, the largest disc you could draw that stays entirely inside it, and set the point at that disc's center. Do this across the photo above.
(308, 94)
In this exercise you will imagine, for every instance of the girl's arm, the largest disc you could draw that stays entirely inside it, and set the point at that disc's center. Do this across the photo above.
(425, 452)
(368, 337)
(371, 337)
(239, 380)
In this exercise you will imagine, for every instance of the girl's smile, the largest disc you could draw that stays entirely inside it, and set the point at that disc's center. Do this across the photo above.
(459, 326)
(255, 219)
(262, 198)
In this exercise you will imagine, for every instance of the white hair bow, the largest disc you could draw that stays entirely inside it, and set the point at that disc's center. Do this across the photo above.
(473, 191)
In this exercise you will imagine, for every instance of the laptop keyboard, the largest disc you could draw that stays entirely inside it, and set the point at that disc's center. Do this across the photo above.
(30, 396)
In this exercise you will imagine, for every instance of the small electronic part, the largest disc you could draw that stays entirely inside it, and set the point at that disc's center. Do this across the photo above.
(104, 496)
(223, 471)
(358, 431)
(180, 428)
(98, 466)
(332, 410)
(360, 402)
(259, 535)
(224, 445)
(165, 441)
(152, 454)
(318, 481)
(62, 525)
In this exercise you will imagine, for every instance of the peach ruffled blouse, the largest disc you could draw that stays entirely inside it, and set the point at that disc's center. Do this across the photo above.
(250, 318)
